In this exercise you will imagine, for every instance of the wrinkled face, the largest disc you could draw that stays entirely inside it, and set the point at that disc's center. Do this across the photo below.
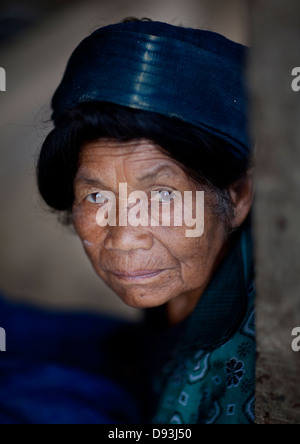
(146, 266)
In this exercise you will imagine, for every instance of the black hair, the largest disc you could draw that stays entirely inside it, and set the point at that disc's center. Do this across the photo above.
(207, 159)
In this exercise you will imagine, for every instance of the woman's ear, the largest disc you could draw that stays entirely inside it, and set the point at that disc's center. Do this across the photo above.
(241, 193)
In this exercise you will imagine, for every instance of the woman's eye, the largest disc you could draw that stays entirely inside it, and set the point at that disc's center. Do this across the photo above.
(97, 198)
(163, 196)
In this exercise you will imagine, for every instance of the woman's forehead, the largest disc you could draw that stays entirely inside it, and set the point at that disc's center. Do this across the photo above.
(116, 148)
(137, 152)
(141, 157)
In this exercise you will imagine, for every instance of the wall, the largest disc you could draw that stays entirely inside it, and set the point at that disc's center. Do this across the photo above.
(276, 109)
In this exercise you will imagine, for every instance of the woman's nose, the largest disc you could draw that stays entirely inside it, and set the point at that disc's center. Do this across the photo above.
(128, 238)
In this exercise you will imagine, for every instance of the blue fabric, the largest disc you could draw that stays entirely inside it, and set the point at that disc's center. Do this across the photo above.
(196, 76)
(58, 369)
(47, 393)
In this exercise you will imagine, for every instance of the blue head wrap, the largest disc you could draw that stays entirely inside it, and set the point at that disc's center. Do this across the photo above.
(196, 76)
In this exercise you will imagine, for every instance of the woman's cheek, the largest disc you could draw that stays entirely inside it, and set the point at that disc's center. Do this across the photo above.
(84, 221)
(197, 256)
(178, 245)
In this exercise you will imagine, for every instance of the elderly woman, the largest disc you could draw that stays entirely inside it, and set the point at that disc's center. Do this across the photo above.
(162, 110)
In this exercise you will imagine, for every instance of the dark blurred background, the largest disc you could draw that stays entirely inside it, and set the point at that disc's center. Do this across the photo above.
(18, 15)
(41, 261)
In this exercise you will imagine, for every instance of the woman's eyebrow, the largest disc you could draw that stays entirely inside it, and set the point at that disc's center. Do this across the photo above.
(156, 172)
(88, 181)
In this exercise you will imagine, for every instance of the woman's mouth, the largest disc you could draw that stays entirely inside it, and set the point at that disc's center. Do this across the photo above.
(140, 275)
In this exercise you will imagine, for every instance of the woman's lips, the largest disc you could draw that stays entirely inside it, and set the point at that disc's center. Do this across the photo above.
(137, 275)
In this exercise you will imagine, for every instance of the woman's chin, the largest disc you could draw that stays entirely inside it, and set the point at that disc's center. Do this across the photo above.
(143, 300)
(148, 293)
